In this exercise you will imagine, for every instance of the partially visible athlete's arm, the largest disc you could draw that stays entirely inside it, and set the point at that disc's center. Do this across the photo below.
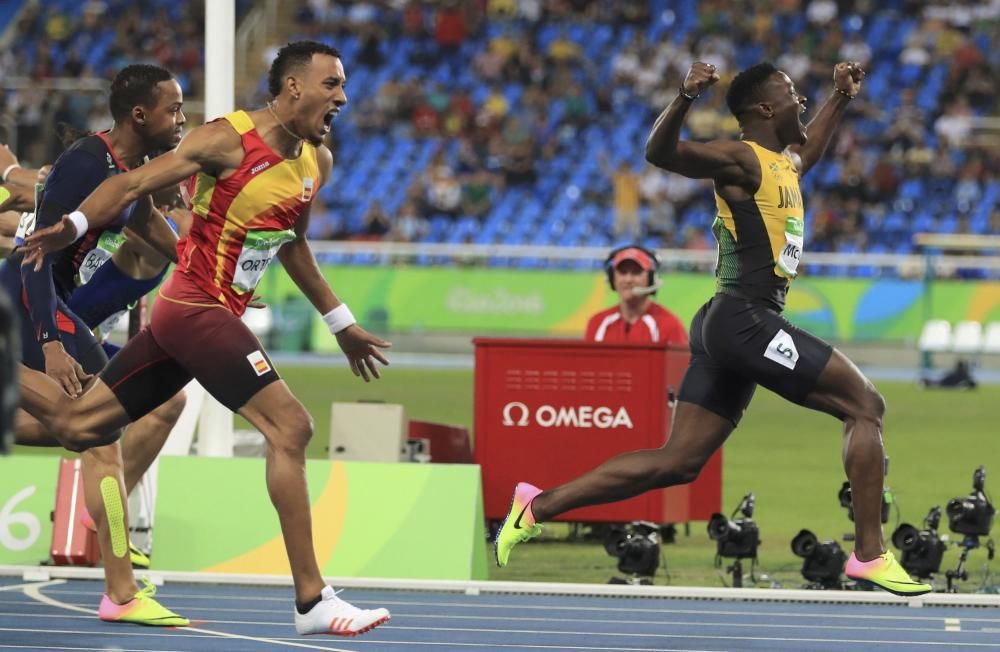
(297, 256)
(724, 161)
(12, 173)
(847, 78)
(8, 223)
(22, 198)
(74, 176)
(150, 225)
(209, 147)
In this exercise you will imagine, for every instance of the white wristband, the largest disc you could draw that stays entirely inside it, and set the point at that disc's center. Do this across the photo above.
(339, 318)
(80, 223)
(6, 172)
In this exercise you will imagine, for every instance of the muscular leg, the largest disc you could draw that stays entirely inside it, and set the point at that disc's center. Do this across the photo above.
(287, 427)
(144, 439)
(695, 434)
(98, 464)
(28, 431)
(843, 391)
(94, 419)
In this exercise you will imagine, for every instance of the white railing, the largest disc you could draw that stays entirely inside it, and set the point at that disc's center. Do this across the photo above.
(910, 264)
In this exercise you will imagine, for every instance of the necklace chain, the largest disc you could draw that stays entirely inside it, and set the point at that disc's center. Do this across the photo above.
(270, 107)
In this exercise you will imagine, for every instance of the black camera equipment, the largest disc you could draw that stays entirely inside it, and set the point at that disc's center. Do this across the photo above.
(823, 561)
(922, 549)
(736, 538)
(844, 496)
(971, 516)
(637, 547)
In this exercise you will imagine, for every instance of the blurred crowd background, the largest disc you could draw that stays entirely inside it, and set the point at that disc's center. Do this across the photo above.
(524, 121)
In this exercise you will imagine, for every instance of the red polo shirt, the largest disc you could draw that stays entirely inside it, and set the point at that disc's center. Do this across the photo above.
(657, 325)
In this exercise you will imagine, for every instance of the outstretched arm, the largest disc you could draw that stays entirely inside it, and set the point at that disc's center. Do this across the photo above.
(150, 225)
(719, 160)
(15, 197)
(12, 173)
(847, 77)
(360, 347)
(209, 147)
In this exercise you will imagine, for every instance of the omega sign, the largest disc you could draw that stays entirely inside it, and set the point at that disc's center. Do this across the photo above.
(516, 413)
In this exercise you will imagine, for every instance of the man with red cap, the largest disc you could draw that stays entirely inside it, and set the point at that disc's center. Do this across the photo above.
(637, 318)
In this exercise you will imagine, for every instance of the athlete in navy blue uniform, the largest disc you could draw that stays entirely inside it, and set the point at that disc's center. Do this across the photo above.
(145, 103)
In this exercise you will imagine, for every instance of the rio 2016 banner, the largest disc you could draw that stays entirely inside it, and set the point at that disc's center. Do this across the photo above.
(532, 302)
(213, 514)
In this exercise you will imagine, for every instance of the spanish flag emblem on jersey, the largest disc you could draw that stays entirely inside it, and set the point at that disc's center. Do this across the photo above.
(259, 362)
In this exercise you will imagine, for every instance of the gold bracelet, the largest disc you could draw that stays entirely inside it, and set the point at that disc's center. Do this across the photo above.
(845, 93)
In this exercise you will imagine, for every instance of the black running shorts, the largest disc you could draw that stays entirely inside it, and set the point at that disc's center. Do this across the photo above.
(736, 345)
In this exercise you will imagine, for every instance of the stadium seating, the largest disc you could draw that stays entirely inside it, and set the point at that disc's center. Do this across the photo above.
(558, 215)
(967, 338)
(936, 336)
(568, 203)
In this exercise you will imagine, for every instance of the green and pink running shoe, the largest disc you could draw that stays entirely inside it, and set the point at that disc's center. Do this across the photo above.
(886, 573)
(142, 609)
(519, 525)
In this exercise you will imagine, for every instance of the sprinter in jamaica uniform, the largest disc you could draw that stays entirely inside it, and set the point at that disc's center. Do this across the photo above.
(739, 338)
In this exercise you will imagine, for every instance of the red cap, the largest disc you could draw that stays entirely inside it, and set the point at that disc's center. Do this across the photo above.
(636, 254)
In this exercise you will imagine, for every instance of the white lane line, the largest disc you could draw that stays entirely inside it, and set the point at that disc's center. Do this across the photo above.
(692, 635)
(18, 587)
(952, 625)
(399, 619)
(94, 649)
(529, 646)
(34, 592)
(564, 608)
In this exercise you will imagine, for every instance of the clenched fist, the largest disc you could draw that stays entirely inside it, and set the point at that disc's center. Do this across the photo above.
(699, 77)
(847, 76)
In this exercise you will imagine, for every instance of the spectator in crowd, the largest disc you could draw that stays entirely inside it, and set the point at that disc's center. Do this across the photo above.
(410, 226)
(624, 198)
(375, 223)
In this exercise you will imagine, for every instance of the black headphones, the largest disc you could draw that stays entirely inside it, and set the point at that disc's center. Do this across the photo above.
(609, 266)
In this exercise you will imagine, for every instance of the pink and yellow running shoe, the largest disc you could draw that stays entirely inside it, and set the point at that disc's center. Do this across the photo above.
(886, 573)
(141, 610)
(519, 525)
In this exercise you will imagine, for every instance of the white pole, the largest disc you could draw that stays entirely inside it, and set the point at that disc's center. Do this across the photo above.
(220, 51)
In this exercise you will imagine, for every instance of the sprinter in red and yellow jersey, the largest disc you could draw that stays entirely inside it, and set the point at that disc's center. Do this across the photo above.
(256, 175)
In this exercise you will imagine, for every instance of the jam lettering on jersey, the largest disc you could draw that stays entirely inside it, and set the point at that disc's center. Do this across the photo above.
(789, 197)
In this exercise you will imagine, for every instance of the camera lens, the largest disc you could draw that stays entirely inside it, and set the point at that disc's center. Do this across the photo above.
(905, 537)
(720, 527)
(958, 507)
(804, 543)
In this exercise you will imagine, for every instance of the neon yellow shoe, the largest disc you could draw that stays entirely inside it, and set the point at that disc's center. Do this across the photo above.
(139, 558)
(141, 610)
(519, 525)
(886, 573)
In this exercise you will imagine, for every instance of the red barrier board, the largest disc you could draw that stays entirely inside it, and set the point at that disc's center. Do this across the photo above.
(72, 543)
(547, 411)
(448, 444)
